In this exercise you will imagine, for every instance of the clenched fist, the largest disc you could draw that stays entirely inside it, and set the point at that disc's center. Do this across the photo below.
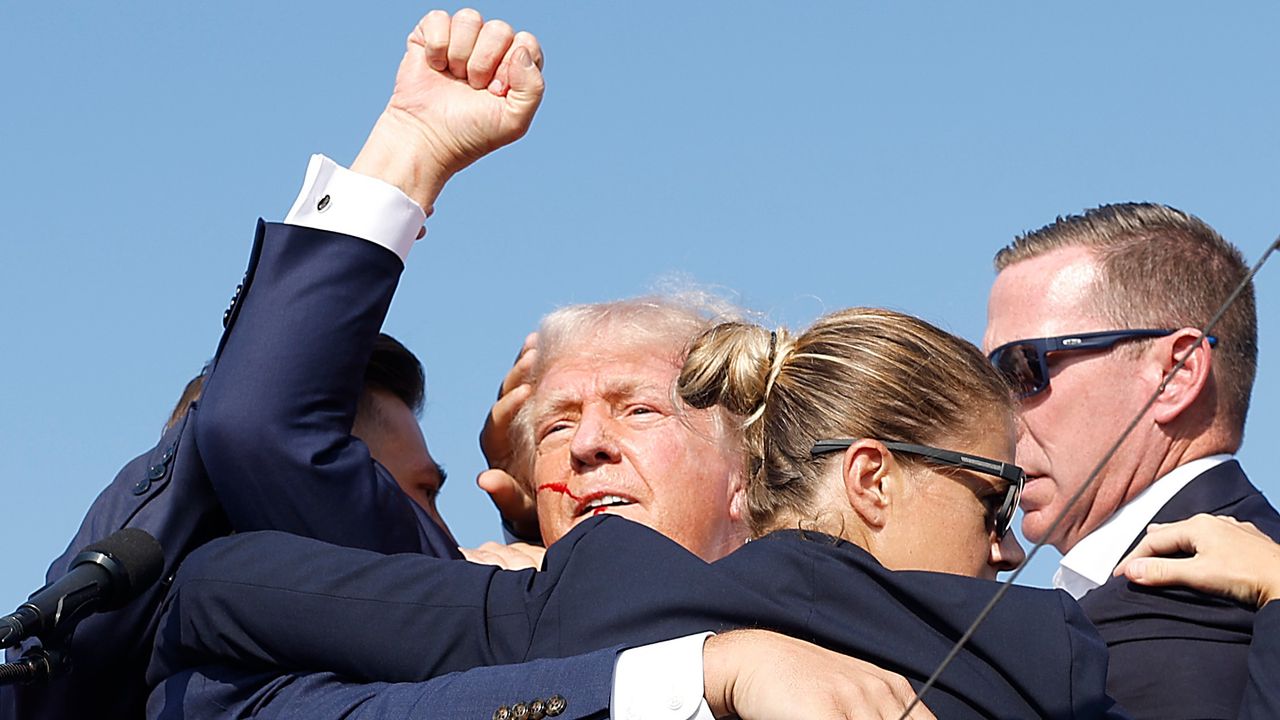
(465, 88)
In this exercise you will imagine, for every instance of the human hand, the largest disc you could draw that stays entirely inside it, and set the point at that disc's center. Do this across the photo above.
(516, 388)
(1228, 557)
(464, 88)
(515, 502)
(512, 496)
(516, 556)
(761, 675)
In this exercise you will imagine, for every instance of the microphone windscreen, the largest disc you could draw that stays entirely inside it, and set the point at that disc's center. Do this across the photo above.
(139, 554)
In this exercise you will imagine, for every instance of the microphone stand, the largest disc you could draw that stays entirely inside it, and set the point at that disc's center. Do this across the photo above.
(39, 664)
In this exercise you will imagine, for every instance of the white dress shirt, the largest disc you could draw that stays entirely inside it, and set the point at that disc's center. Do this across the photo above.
(1091, 561)
(662, 681)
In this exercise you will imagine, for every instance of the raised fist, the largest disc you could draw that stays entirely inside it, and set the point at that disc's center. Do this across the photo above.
(465, 88)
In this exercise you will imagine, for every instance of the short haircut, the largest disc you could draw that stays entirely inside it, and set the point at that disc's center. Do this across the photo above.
(392, 368)
(855, 373)
(1163, 268)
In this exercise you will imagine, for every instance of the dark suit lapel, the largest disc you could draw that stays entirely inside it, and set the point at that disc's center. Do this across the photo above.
(1212, 490)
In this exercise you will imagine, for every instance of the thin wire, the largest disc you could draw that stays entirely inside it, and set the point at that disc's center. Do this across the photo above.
(1075, 497)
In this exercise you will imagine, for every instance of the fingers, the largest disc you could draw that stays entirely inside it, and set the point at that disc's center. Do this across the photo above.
(433, 33)
(1162, 540)
(495, 441)
(502, 80)
(516, 505)
(490, 48)
(478, 52)
(524, 80)
(522, 370)
(463, 32)
(1226, 557)
(517, 556)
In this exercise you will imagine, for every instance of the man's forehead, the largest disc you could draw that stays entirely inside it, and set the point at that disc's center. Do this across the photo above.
(1050, 294)
(615, 372)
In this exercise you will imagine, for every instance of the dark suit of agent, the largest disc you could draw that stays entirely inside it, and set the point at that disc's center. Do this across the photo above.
(271, 600)
(262, 601)
(1177, 631)
(1087, 316)
(210, 474)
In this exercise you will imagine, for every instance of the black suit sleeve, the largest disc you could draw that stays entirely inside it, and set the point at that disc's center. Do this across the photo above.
(582, 687)
(1262, 695)
(272, 600)
(274, 426)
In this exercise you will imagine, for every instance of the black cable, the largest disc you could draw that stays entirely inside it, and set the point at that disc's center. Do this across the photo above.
(1115, 447)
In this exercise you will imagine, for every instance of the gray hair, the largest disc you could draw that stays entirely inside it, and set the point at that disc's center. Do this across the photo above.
(667, 322)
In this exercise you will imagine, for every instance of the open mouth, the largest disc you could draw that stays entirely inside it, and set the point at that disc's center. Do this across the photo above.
(596, 504)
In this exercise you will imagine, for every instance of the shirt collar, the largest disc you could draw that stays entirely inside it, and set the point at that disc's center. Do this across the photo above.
(1090, 562)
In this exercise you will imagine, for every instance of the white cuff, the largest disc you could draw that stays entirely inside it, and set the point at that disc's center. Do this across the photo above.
(662, 681)
(336, 199)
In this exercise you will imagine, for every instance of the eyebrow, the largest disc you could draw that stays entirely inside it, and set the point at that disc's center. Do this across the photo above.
(613, 390)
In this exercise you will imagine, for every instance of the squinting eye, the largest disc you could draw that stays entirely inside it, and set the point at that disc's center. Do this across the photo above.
(555, 428)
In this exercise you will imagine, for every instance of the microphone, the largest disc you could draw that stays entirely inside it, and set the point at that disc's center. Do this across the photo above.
(104, 576)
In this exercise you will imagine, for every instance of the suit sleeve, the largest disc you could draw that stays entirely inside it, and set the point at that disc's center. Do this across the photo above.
(581, 685)
(1088, 679)
(1262, 694)
(275, 420)
(273, 601)
(270, 600)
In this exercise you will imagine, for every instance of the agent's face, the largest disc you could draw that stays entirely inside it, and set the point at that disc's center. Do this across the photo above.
(1091, 397)
(395, 439)
(942, 518)
(609, 438)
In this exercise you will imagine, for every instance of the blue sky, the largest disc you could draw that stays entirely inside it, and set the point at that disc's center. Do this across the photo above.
(807, 158)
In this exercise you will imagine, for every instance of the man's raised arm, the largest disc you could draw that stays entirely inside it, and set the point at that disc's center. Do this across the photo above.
(274, 424)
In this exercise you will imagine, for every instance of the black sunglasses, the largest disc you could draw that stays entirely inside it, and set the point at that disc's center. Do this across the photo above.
(1002, 516)
(1025, 363)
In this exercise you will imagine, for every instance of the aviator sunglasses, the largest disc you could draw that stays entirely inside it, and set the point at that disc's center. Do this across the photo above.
(1025, 363)
(1002, 516)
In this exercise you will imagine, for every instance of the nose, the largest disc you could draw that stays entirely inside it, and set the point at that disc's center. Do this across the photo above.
(594, 440)
(1006, 552)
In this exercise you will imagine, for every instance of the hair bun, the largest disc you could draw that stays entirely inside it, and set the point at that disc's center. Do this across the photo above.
(730, 366)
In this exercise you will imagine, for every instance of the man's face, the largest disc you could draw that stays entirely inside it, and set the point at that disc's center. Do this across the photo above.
(1092, 396)
(609, 438)
(395, 439)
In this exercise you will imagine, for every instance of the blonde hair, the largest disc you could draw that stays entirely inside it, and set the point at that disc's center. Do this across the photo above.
(1162, 268)
(861, 372)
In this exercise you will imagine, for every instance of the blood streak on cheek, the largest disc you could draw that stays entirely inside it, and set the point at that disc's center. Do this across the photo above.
(561, 488)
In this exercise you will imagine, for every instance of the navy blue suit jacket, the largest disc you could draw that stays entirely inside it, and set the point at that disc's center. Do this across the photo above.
(270, 601)
(268, 446)
(1177, 653)
(583, 682)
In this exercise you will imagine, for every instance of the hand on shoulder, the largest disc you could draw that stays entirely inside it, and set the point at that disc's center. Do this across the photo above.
(1225, 557)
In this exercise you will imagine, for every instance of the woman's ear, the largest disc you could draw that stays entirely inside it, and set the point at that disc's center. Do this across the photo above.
(867, 474)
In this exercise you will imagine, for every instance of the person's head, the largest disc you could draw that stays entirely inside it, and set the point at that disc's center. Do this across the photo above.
(387, 421)
(1118, 267)
(604, 431)
(190, 393)
(871, 379)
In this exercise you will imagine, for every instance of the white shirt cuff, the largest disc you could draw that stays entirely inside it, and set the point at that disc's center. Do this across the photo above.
(336, 199)
(662, 681)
